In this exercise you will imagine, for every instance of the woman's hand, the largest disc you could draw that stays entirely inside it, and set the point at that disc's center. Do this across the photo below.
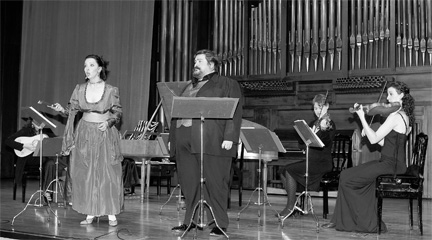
(323, 111)
(360, 112)
(57, 107)
(103, 126)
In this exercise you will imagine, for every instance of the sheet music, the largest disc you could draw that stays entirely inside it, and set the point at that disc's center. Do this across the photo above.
(305, 132)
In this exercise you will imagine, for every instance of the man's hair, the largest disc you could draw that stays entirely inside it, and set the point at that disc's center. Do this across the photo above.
(210, 56)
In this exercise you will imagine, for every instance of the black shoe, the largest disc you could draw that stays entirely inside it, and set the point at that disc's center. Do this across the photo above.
(217, 232)
(183, 228)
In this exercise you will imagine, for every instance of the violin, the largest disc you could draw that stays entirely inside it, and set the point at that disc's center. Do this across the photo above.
(324, 118)
(383, 109)
(327, 122)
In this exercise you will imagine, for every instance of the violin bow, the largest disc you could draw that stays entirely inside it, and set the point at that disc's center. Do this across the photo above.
(379, 99)
(325, 101)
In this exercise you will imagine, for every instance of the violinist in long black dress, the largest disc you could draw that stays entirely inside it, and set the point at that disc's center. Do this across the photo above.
(356, 204)
(293, 175)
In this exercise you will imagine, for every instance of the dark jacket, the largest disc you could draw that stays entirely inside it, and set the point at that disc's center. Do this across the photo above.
(215, 131)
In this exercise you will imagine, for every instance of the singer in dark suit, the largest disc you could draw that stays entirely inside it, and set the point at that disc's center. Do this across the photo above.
(221, 137)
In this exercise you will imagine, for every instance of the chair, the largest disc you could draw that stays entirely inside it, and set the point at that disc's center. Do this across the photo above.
(31, 169)
(408, 185)
(162, 172)
(341, 155)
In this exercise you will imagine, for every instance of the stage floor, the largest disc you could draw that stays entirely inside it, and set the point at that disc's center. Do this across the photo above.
(141, 220)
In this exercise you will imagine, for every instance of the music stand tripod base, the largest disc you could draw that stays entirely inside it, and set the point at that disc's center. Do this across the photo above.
(200, 205)
(305, 211)
(37, 205)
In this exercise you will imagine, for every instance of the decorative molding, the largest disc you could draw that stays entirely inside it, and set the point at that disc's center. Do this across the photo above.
(360, 85)
(268, 88)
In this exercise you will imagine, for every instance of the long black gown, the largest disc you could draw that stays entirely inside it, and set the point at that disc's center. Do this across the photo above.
(356, 205)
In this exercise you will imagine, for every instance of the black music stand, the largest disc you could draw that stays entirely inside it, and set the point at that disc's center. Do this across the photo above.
(203, 107)
(259, 141)
(311, 140)
(167, 91)
(39, 122)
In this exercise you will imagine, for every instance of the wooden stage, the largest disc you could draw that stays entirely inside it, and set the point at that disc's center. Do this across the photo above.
(141, 220)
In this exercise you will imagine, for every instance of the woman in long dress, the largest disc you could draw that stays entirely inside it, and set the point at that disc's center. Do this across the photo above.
(356, 204)
(93, 144)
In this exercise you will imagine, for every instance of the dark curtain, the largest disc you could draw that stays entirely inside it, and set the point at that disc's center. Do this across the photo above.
(57, 35)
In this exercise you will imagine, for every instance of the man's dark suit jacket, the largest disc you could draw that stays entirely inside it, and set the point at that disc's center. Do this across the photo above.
(215, 130)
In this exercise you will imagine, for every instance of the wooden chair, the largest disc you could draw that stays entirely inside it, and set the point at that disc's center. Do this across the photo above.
(341, 155)
(408, 185)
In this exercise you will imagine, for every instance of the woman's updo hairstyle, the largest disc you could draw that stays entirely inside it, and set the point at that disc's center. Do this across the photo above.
(408, 102)
(102, 63)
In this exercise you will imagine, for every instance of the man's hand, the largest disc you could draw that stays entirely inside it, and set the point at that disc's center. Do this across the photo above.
(29, 146)
(227, 145)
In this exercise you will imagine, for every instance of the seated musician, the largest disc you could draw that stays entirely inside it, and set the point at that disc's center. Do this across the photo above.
(293, 175)
(49, 167)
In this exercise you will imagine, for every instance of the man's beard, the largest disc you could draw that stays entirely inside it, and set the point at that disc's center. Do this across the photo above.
(196, 73)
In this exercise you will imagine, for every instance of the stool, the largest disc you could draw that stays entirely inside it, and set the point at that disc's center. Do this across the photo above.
(160, 172)
(146, 172)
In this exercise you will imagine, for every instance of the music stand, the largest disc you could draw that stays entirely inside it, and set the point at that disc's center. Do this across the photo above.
(167, 91)
(311, 140)
(39, 122)
(203, 107)
(259, 141)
